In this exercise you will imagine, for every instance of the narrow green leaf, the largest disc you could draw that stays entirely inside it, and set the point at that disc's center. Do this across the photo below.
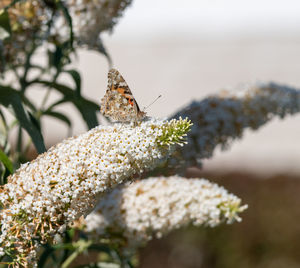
(64, 246)
(2, 58)
(67, 16)
(59, 116)
(57, 57)
(4, 133)
(35, 121)
(4, 173)
(4, 122)
(5, 30)
(101, 48)
(11, 97)
(28, 103)
(88, 112)
(80, 246)
(6, 162)
(63, 89)
(77, 80)
(88, 109)
(101, 247)
(57, 103)
(48, 251)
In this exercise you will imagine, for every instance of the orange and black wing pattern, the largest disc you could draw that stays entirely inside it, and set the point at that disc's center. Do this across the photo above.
(118, 102)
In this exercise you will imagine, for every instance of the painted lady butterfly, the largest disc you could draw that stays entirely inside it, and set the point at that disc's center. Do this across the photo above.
(118, 102)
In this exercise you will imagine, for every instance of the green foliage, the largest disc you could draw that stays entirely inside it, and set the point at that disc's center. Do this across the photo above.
(15, 96)
(88, 109)
(76, 247)
(10, 97)
(5, 30)
(19, 112)
(6, 162)
(6, 167)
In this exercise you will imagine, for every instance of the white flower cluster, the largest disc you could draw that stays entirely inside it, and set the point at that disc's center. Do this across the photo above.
(65, 183)
(91, 17)
(153, 207)
(219, 119)
(28, 20)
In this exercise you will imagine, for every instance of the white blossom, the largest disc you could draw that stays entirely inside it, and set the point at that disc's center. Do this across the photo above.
(30, 20)
(64, 183)
(221, 118)
(91, 17)
(153, 207)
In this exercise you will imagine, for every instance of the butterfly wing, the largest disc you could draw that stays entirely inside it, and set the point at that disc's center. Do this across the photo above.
(118, 102)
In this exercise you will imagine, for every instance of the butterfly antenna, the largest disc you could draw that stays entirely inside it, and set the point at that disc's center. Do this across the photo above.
(151, 103)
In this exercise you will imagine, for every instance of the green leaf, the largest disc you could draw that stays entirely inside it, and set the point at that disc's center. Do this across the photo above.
(5, 33)
(68, 18)
(4, 173)
(101, 48)
(28, 103)
(57, 57)
(2, 58)
(4, 143)
(35, 121)
(10, 97)
(63, 89)
(5, 30)
(88, 109)
(6, 162)
(59, 116)
(77, 80)
(45, 256)
(4, 122)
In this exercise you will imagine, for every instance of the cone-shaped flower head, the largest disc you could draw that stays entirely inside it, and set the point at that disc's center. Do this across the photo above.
(64, 183)
(91, 17)
(221, 118)
(155, 206)
(27, 21)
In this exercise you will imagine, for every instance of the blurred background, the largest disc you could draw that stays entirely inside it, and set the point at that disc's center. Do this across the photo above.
(187, 50)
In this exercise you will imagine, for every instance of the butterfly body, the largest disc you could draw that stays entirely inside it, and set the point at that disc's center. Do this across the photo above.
(118, 102)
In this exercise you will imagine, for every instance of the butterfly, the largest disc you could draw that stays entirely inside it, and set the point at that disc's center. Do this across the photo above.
(118, 102)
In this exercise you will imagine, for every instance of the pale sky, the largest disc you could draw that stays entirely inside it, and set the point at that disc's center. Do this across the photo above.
(146, 17)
